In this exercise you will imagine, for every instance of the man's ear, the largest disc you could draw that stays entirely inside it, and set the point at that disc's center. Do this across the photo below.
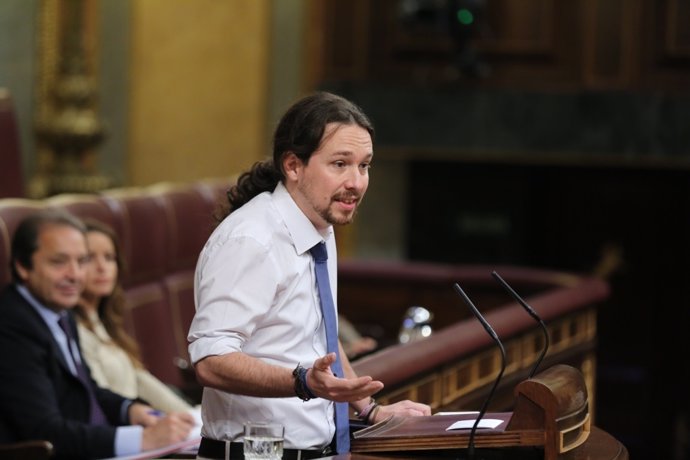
(292, 166)
(22, 271)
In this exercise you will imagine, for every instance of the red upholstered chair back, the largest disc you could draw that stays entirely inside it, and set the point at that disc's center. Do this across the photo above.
(11, 180)
(144, 232)
(150, 323)
(189, 219)
(189, 214)
(12, 211)
(84, 206)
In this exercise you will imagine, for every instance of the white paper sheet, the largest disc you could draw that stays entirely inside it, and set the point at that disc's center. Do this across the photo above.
(468, 424)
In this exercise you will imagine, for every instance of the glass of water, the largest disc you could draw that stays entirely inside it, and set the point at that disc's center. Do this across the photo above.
(263, 441)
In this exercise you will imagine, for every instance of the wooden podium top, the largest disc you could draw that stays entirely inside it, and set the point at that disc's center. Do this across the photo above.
(550, 421)
(599, 446)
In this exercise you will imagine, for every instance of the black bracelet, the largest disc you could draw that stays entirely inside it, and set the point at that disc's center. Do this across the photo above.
(301, 388)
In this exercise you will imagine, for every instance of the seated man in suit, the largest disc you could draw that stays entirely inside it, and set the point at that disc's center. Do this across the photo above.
(46, 390)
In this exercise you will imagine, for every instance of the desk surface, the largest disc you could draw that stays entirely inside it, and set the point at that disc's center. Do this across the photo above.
(599, 446)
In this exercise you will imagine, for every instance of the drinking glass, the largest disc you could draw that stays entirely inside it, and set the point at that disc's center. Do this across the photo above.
(263, 441)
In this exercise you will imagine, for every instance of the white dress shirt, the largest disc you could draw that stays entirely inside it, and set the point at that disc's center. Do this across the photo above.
(255, 292)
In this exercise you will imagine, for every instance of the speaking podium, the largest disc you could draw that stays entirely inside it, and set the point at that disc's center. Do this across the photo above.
(551, 413)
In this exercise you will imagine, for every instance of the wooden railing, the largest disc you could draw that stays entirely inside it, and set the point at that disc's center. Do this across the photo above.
(455, 367)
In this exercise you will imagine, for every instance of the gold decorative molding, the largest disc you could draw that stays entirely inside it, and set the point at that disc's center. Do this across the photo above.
(68, 127)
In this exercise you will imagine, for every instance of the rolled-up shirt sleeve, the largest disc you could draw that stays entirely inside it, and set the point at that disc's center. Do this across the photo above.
(235, 285)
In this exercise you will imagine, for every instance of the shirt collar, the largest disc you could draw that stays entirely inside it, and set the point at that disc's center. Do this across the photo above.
(49, 316)
(304, 234)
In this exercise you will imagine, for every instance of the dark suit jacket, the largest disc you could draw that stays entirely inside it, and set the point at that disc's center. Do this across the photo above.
(39, 397)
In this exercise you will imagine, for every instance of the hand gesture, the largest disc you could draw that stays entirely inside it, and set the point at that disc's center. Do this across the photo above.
(324, 384)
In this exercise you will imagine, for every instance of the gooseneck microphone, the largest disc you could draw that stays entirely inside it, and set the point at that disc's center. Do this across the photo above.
(533, 314)
(492, 333)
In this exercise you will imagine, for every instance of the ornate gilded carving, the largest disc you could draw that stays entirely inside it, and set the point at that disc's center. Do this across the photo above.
(68, 126)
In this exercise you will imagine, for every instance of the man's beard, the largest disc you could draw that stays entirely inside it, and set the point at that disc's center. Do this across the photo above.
(329, 216)
(326, 213)
(332, 219)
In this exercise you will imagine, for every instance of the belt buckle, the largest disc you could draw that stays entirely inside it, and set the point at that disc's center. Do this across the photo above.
(327, 451)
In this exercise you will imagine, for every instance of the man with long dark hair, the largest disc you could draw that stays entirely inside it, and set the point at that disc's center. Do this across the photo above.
(262, 339)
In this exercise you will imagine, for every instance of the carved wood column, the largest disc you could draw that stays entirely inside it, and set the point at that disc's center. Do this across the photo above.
(68, 126)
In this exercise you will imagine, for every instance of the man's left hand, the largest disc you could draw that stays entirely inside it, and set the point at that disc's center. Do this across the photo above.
(405, 408)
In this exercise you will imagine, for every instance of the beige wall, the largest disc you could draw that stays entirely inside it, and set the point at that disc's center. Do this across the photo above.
(198, 96)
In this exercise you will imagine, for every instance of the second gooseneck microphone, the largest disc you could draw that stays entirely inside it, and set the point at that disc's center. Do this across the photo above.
(494, 336)
(532, 313)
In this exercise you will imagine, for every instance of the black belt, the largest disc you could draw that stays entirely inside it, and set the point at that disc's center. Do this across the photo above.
(212, 448)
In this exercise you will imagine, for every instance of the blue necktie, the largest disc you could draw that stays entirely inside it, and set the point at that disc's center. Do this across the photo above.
(96, 415)
(342, 417)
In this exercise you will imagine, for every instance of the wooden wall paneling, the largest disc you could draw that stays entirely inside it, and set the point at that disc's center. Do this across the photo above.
(518, 36)
(533, 43)
(677, 37)
(345, 38)
(585, 44)
(611, 33)
(665, 55)
(519, 27)
(405, 49)
(314, 43)
(406, 36)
